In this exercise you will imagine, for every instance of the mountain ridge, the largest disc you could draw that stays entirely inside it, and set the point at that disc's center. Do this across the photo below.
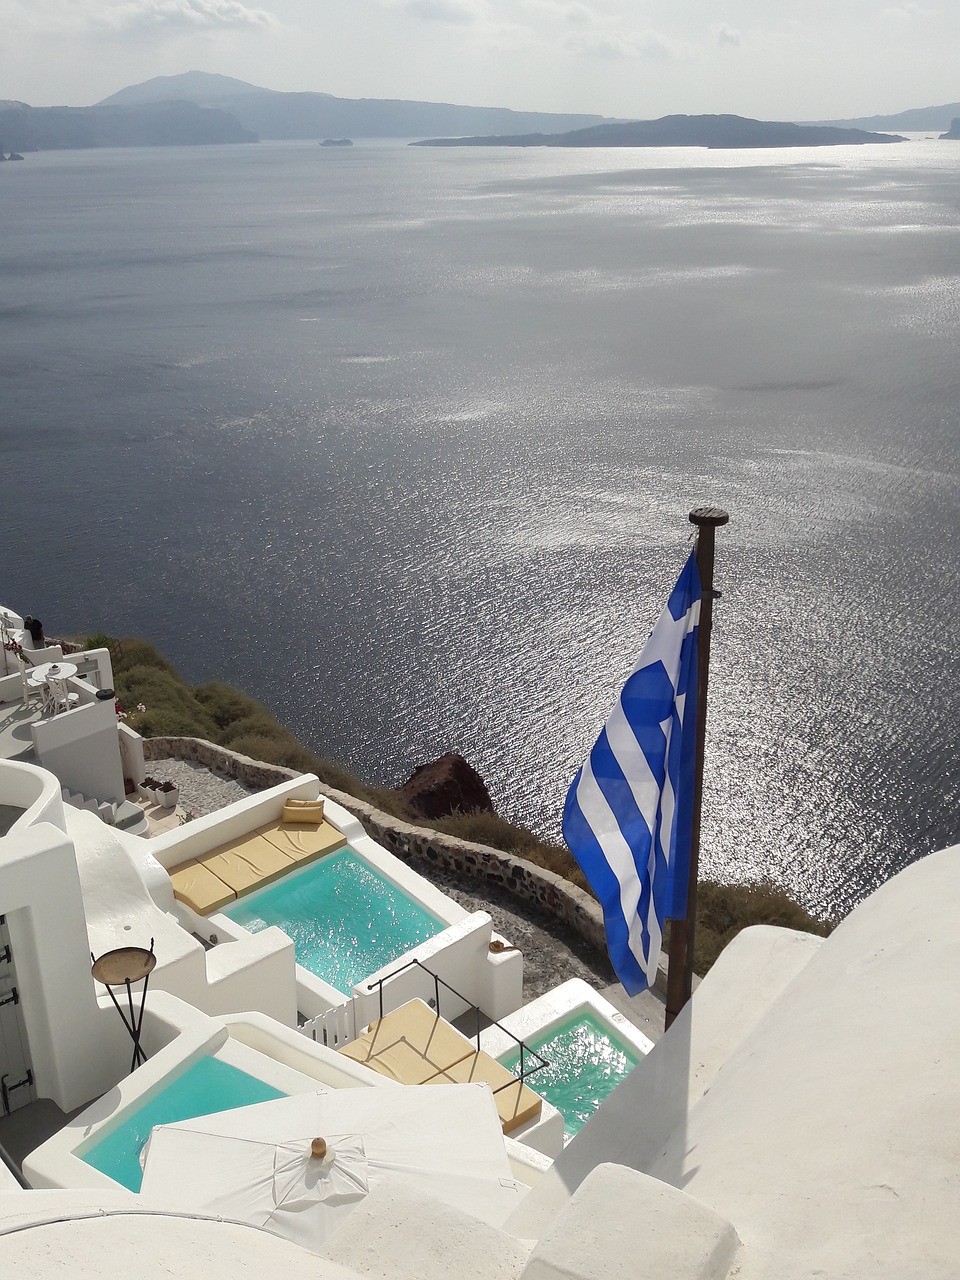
(273, 114)
(714, 131)
(183, 87)
(915, 120)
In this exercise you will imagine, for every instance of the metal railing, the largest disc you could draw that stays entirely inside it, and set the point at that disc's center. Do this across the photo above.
(438, 982)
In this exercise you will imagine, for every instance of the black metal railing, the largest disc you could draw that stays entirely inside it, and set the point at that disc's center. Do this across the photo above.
(439, 982)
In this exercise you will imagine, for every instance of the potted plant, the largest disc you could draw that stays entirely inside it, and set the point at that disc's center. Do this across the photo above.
(148, 789)
(168, 794)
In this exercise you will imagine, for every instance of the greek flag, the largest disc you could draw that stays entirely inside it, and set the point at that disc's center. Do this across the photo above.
(629, 811)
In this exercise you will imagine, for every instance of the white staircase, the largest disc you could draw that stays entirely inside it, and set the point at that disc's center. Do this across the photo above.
(105, 810)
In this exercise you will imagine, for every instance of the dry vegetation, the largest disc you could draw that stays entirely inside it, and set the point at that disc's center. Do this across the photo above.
(224, 715)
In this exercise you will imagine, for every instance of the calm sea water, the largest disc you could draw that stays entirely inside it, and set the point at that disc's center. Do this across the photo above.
(404, 442)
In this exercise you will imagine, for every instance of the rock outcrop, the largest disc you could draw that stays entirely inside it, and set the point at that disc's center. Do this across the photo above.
(445, 786)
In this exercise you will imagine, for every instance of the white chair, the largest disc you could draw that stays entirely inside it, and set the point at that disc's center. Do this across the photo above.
(61, 697)
(35, 685)
(28, 686)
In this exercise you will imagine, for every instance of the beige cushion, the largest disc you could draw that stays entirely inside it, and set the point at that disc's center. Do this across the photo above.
(410, 1045)
(303, 842)
(516, 1104)
(399, 1061)
(311, 810)
(200, 888)
(247, 864)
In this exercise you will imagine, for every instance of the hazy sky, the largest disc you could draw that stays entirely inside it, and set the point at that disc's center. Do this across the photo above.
(776, 59)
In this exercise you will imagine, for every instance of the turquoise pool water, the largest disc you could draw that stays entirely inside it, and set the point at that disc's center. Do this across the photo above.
(587, 1061)
(346, 920)
(204, 1088)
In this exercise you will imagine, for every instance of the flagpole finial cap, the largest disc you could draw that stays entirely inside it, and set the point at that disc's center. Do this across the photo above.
(712, 516)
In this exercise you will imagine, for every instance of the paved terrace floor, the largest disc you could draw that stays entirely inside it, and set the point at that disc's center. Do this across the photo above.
(16, 740)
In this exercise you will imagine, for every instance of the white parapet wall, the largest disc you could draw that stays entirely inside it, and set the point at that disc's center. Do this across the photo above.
(131, 753)
(469, 975)
(81, 747)
(550, 1011)
(289, 1047)
(37, 792)
(116, 874)
(76, 1047)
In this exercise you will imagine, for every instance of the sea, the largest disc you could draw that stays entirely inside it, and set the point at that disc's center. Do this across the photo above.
(404, 441)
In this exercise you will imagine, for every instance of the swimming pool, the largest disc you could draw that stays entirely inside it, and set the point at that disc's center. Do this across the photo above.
(346, 920)
(208, 1086)
(587, 1062)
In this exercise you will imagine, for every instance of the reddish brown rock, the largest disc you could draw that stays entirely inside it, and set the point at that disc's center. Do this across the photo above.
(445, 786)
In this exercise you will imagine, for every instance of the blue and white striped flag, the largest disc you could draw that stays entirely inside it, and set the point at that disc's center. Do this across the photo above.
(629, 812)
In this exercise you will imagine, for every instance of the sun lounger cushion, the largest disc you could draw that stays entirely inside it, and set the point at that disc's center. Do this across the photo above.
(247, 864)
(410, 1045)
(302, 842)
(516, 1104)
(199, 888)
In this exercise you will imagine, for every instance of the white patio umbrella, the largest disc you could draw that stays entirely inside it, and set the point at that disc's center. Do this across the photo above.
(261, 1165)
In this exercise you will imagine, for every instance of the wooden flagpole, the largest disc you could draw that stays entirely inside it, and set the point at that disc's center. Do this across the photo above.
(680, 955)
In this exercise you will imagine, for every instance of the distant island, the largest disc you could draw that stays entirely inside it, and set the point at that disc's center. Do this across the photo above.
(916, 120)
(313, 116)
(680, 131)
(158, 124)
(201, 108)
(953, 133)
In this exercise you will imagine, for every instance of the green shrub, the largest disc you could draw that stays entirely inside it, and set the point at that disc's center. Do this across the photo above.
(98, 640)
(257, 747)
(167, 722)
(292, 755)
(168, 701)
(225, 705)
(261, 724)
(131, 652)
(724, 909)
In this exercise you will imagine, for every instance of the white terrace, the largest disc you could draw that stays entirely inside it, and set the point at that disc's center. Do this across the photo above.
(58, 712)
(796, 1121)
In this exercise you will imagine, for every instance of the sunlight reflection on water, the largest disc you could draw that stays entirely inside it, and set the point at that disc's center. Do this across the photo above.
(444, 513)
